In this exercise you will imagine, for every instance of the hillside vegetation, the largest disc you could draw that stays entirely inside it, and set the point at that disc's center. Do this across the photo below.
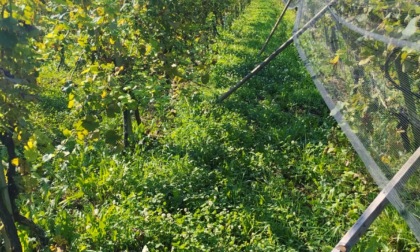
(266, 170)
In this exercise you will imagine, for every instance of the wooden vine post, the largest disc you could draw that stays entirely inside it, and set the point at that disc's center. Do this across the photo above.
(8, 229)
(275, 26)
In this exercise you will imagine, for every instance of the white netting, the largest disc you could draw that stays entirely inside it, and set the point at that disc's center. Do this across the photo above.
(364, 56)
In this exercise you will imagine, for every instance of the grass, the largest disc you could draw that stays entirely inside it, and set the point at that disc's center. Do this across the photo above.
(267, 170)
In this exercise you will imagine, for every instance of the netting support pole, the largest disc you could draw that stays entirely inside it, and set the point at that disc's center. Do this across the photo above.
(276, 52)
(275, 27)
(376, 207)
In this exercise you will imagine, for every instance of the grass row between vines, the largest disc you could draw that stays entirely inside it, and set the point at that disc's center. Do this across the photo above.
(267, 170)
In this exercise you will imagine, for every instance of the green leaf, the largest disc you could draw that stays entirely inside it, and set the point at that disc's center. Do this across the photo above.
(90, 123)
(31, 154)
(111, 137)
(8, 39)
(112, 110)
(205, 78)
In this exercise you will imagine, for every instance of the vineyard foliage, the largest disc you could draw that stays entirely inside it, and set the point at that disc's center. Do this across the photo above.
(111, 135)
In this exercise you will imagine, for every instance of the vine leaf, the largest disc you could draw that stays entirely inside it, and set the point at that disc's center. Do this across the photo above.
(111, 137)
(411, 28)
(8, 39)
(365, 61)
(90, 123)
(335, 60)
(15, 162)
(71, 101)
(205, 78)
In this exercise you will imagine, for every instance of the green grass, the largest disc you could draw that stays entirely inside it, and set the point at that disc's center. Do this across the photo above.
(267, 170)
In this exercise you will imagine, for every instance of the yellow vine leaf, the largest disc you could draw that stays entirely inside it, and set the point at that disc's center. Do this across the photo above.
(335, 60)
(71, 101)
(100, 11)
(40, 45)
(30, 144)
(148, 49)
(404, 56)
(365, 61)
(72, 15)
(6, 14)
(59, 28)
(28, 14)
(50, 35)
(94, 69)
(82, 40)
(81, 12)
(87, 70)
(67, 132)
(103, 95)
(80, 135)
(71, 104)
(15, 162)
(3, 2)
(78, 125)
(385, 160)
(121, 21)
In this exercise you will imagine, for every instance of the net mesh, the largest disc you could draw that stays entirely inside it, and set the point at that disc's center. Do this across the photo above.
(293, 4)
(364, 57)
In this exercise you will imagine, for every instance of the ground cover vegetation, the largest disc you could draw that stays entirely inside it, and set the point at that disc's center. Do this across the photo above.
(121, 144)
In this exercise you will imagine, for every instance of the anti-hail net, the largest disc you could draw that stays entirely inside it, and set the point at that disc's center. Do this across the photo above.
(364, 57)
